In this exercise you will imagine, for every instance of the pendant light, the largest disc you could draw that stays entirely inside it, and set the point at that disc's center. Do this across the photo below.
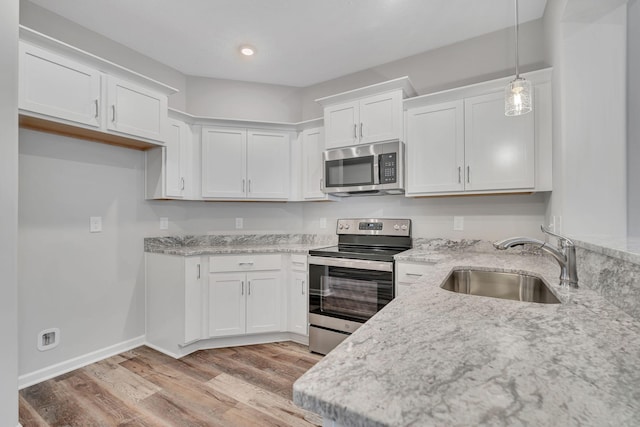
(517, 94)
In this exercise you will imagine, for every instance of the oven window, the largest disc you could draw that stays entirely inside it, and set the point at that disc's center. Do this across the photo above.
(349, 172)
(348, 293)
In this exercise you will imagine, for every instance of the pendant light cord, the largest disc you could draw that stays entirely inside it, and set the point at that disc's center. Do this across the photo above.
(517, 57)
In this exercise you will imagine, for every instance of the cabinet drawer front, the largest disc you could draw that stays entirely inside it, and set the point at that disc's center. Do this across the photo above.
(248, 262)
(409, 273)
(299, 262)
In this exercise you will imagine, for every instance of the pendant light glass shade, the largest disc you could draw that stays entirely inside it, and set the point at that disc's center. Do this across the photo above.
(517, 97)
(518, 94)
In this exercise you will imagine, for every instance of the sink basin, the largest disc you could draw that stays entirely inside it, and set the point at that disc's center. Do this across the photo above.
(513, 286)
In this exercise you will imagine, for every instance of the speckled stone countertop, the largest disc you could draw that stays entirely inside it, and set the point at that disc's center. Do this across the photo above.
(434, 357)
(236, 244)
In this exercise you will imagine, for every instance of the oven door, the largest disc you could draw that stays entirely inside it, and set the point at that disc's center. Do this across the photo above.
(348, 289)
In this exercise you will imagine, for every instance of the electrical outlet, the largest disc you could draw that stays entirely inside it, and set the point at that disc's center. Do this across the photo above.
(48, 339)
(239, 223)
(164, 223)
(95, 224)
(323, 222)
(458, 223)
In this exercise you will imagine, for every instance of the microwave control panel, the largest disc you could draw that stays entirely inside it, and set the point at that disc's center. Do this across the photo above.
(388, 170)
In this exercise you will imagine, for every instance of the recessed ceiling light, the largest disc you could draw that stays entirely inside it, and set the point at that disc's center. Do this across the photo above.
(247, 50)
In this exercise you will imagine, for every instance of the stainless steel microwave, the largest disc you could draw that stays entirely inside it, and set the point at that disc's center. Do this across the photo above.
(363, 170)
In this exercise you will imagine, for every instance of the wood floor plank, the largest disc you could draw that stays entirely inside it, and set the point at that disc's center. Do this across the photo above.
(240, 386)
(261, 400)
(28, 415)
(120, 381)
(249, 373)
(185, 393)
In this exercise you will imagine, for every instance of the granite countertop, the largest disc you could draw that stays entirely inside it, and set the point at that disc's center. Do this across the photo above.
(219, 244)
(236, 249)
(434, 357)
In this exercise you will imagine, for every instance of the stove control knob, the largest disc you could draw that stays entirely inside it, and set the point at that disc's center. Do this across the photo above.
(346, 226)
(396, 227)
(404, 227)
(340, 226)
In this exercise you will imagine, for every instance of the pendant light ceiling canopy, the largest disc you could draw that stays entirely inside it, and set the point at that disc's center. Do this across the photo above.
(518, 93)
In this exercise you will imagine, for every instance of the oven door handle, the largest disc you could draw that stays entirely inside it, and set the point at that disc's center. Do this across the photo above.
(359, 264)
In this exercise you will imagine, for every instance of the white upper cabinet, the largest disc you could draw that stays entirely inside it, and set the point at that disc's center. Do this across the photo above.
(241, 164)
(268, 165)
(435, 154)
(177, 159)
(224, 165)
(461, 142)
(170, 169)
(373, 119)
(312, 148)
(136, 111)
(341, 124)
(67, 91)
(381, 118)
(499, 150)
(366, 115)
(58, 87)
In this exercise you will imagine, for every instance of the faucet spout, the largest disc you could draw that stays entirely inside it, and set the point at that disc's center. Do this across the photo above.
(565, 254)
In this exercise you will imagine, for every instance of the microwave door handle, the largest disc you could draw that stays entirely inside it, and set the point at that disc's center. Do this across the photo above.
(376, 170)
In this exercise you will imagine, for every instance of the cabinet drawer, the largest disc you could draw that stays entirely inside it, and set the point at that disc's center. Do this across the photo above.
(409, 273)
(299, 262)
(248, 262)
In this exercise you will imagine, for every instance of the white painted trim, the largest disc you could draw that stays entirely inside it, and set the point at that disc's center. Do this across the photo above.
(52, 371)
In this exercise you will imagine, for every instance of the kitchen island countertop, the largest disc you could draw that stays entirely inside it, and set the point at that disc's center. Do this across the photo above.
(434, 357)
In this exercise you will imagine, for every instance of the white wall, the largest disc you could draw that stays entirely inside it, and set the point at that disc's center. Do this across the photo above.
(470, 61)
(9, 213)
(487, 217)
(633, 113)
(91, 285)
(243, 100)
(587, 47)
(60, 28)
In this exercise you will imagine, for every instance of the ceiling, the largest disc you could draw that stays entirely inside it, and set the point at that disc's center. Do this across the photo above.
(298, 42)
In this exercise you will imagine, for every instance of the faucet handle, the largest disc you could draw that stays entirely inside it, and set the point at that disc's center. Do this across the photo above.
(562, 240)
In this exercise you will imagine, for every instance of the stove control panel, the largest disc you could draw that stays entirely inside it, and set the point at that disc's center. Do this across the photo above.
(373, 226)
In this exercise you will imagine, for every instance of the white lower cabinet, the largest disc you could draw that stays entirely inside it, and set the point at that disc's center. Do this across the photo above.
(298, 296)
(408, 273)
(175, 303)
(243, 299)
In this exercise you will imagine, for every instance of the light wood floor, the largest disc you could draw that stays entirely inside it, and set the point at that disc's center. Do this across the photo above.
(240, 386)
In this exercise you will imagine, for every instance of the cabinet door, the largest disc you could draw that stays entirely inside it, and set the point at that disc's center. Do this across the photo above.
(435, 148)
(268, 169)
(312, 148)
(136, 111)
(381, 118)
(176, 158)
(499, 150)
(193, 299)
(341, 125)
(224, 167)
(298, 300)
(227, 304)
(58, 87)
(263, 302)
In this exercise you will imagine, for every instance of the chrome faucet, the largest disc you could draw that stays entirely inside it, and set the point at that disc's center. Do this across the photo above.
(565, 254)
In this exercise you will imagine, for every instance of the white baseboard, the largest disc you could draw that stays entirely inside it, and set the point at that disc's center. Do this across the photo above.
(52, 371)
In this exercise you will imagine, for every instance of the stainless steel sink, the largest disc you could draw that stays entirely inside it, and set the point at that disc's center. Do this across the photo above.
(513, 286)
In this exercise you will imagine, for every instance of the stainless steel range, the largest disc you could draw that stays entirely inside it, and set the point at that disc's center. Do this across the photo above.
(351, 282)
